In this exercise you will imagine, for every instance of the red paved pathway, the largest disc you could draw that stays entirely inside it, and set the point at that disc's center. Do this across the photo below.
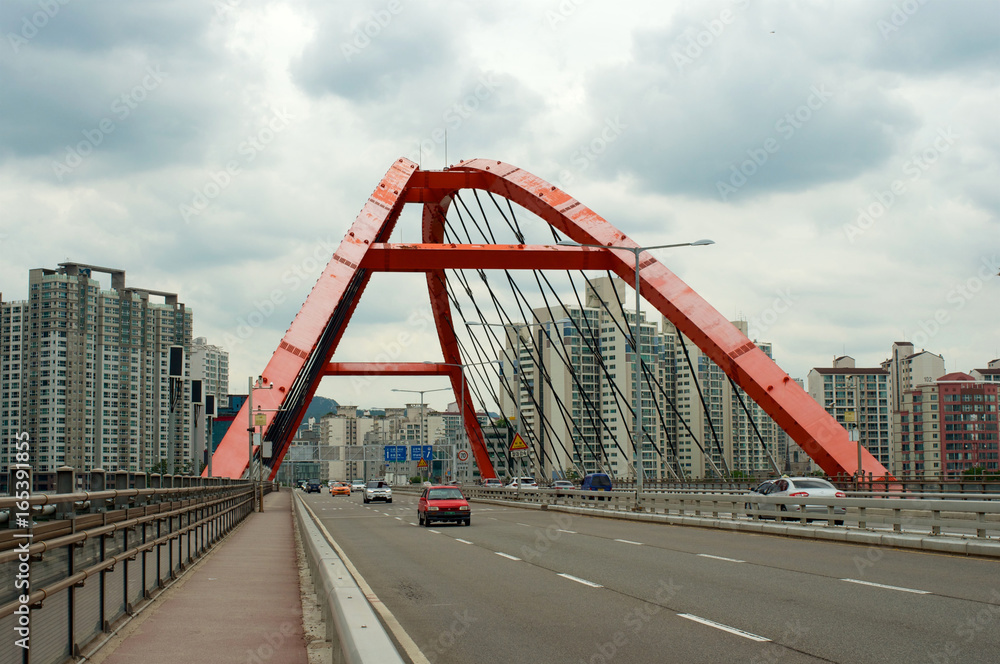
(241, 604)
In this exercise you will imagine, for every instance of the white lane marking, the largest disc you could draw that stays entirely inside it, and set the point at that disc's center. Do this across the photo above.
(724, 628)
(506, 555)
(728, 560)
(462, 541)
(524, 524)
(579, 580)
(399, 518)
(436, 532)
(629, 542)
(412, 524)
(571, 532)
(881, 585)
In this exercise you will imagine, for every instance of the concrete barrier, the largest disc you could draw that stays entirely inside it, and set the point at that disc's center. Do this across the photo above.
(352, 626)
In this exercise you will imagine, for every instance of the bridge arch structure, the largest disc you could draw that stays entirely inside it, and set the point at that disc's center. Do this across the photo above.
(305, 354)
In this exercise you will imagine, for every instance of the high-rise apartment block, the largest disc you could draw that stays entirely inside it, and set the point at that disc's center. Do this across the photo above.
(85, 372)
(948, 427)
(908, 369)
(576, 389)
(859, 399)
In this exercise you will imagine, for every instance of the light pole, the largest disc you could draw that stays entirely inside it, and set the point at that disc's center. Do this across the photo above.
(637, 432)
(461, 405)
(251, 386)
(422, 393)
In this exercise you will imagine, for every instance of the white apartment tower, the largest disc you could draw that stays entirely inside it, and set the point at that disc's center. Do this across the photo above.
(908, 369)
(85, 372)
(859, 399)
(584, 421)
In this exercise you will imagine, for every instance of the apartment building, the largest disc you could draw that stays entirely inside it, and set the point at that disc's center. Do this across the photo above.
(859, 399)
(948, 427)
(85, 372)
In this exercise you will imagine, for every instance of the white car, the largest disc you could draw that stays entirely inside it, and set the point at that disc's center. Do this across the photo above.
(378, 490)
(522, 483)
(761, 498)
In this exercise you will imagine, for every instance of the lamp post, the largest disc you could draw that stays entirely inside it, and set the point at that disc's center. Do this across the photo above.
(637, 433)
(422, 393)
(251, 386)
(461, 404)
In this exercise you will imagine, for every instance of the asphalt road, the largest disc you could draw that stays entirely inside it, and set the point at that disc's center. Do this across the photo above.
(524, 585)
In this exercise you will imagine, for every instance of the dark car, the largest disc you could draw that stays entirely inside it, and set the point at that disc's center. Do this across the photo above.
(312, 486)
(443, 503)
(596, 482)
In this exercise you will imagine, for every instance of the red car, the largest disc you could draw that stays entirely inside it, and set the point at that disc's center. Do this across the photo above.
(443, 503)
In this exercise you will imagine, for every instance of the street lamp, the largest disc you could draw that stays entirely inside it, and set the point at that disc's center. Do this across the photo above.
(461, 404)
(637, 433)
(422, 392)
(251, 386)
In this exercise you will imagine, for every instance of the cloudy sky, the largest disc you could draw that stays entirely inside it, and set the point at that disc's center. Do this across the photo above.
(843, 155)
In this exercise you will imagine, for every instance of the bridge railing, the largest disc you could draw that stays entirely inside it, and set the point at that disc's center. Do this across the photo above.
(89, 560)
(975, 515)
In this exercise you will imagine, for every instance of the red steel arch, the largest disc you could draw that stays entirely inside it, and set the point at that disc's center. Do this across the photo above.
(303, 356)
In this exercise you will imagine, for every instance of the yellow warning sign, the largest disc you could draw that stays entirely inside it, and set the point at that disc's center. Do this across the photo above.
(422, 463)
(259, 419)
(518, 443)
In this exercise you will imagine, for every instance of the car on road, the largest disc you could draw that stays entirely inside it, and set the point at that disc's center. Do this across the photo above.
(762, 497)
(340, 489)
(522, 483)
(562, 485)
(492, 483)
(596, 482)
(313, 486)
(443, 503)
(357, 485)
(378, 490)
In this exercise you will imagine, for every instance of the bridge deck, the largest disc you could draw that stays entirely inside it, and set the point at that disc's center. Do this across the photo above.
(242, 604)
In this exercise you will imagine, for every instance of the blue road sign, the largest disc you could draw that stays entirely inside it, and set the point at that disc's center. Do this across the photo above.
(401, 453)
(415, 452)
(390, 452)
(428, 453)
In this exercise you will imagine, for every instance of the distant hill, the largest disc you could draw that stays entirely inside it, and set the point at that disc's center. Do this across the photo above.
(319, 407)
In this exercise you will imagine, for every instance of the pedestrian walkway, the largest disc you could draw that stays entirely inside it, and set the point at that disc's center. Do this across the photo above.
(241, 604)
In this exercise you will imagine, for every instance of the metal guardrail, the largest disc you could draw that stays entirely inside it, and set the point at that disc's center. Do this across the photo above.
(351, 624)
(954, 514)
(102, 557)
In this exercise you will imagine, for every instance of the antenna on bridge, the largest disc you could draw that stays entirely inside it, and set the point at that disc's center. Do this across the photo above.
(446, 148)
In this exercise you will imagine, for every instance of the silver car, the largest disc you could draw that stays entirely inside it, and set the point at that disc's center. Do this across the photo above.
(378, 490)
(761, 498)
